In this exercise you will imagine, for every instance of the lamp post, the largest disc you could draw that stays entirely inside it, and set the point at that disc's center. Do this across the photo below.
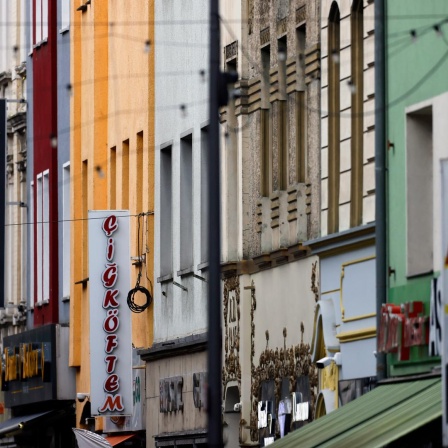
(214, 399)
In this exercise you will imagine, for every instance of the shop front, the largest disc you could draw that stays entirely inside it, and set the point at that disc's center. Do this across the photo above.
(39, 389)
(176, 392)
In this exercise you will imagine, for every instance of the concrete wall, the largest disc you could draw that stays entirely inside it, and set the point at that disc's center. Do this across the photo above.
(268, 303)
(63, 77)
(188, 420)
(111, 112)
(181, 42)
(267, 316)
(255, 221)
(348, 280)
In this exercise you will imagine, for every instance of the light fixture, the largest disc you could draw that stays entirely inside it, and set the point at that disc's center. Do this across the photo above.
(81, 396)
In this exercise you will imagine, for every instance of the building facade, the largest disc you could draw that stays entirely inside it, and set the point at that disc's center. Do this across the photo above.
(14, 200)
(177, 361)
(345, 316)
(270, 189)
(405, 407)
(415, 131)
(112, 167)
(39, 385)
(13, 91)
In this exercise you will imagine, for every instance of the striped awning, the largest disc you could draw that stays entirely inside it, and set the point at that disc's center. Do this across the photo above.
(377, 418)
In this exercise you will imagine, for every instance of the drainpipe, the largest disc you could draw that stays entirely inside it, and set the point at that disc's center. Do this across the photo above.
(3, 150)
(380, 173)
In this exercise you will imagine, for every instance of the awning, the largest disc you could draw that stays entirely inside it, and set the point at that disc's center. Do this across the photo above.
(118, 438)
(89, 439)
(16, 424)
(377, 418)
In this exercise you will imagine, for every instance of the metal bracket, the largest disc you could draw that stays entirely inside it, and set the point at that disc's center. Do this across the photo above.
(200, 278)
(180, 286)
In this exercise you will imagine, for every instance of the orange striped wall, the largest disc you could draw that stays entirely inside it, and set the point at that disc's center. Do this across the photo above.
(112, 149)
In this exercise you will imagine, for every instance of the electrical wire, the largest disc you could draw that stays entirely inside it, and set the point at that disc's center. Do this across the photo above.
(133, 306)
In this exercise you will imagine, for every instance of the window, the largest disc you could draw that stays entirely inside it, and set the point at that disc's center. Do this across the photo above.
(46, 234)
(43, 236)
(300, 105)
(419, 177)
(230, 179)
(282, 115)
(204, 194)
(186, 202)
(265, 124)
(333, 118)
(31, 247)
(9, 238)
(166, 211)
(357, 77)
(30, 25)
(66, 230)
(38, 24)
(113, 178)
(65, 14)
(39, 218)
(44, 19)
(41, 28)
(4, 35)
(125, 176)
(139, 173)
(85, 216)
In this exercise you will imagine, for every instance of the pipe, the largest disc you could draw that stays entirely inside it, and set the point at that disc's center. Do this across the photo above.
(3, 151)
(380, 174)
(214, 433)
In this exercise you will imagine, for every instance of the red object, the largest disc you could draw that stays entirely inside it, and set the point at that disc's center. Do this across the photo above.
(402, 326)
(45, 157)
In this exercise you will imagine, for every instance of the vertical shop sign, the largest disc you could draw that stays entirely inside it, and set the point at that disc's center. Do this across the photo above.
(111, 390)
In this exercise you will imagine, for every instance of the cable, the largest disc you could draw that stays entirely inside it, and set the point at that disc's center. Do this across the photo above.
(134, 307)
(71, 220)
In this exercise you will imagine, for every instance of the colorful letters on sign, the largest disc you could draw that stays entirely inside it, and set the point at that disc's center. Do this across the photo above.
(111, 364)
(402, 327)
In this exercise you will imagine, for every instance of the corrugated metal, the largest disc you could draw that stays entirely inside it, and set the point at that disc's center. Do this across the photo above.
(88, 439)
(377, 418)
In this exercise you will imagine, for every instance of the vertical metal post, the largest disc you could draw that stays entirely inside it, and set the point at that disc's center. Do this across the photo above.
(444, 288)
(380, 173)
(3, 151)
(214, 400)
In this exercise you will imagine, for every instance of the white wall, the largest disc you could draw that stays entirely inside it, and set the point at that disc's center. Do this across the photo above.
(439, 106)
(181, 52)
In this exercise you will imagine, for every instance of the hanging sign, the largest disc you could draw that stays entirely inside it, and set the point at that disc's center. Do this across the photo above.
(402, 326)
(110, 319)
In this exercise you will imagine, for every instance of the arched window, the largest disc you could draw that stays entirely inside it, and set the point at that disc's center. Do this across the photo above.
(333, 117)
(357, 86)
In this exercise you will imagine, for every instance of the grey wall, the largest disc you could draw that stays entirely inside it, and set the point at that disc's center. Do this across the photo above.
(63, 69)
(181, 52)
(29, 172)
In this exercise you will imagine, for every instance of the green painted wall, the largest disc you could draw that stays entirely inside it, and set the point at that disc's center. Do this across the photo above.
(417, 70)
